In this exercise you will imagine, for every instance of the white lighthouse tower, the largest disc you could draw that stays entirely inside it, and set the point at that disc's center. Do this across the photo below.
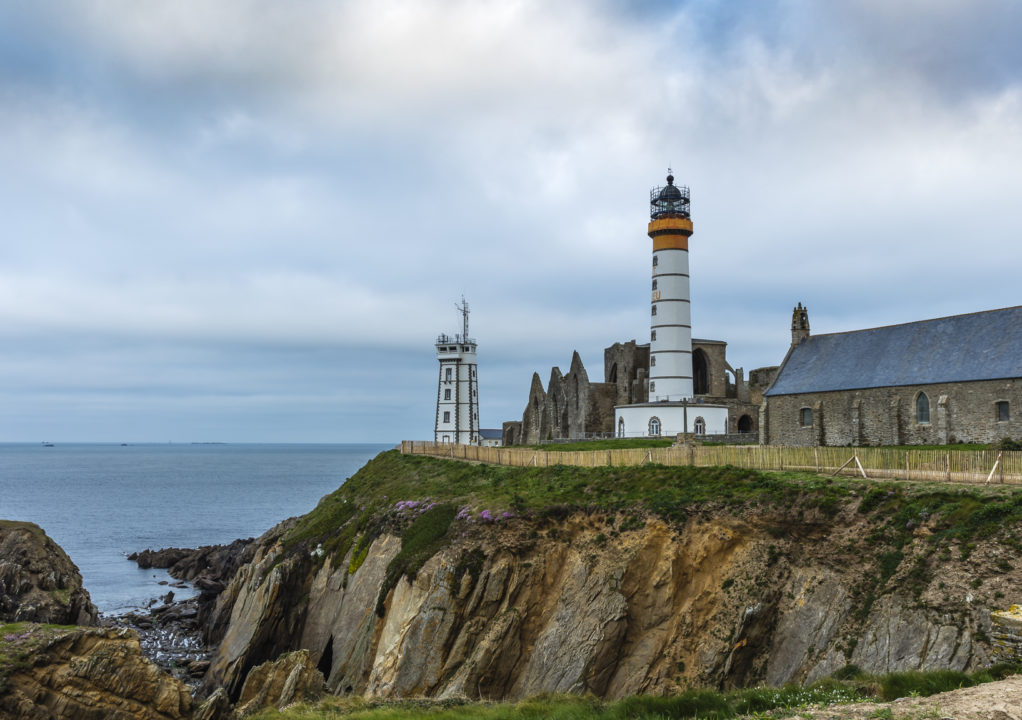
(457, 395)
(671, 408)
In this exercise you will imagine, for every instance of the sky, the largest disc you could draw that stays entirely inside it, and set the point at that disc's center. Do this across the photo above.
(247, 221)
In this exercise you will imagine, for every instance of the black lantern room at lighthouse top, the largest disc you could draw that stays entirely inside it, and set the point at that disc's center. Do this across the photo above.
(669, 201)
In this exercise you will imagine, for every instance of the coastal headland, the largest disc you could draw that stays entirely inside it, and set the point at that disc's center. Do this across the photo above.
(456, 582)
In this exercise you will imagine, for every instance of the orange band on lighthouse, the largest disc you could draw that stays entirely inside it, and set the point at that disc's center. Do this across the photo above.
(670, 242)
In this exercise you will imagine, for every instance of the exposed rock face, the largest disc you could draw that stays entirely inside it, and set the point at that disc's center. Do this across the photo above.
(92, 674)
(723, 601)
(289, 679)
(38, 581)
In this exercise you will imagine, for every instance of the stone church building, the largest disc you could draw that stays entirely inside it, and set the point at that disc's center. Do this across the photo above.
(947, 380)
(572, 407)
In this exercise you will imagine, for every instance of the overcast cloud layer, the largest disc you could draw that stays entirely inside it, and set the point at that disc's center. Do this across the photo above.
(248, 220)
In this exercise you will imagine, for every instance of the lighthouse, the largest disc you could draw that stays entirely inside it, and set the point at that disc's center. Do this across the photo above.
(671, 408)
(457, 395)
(670, 328)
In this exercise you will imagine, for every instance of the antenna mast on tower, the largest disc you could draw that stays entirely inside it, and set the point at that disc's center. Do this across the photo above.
(463, 309)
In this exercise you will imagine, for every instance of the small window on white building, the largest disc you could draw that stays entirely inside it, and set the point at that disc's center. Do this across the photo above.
(447, 375)
(652, 360)
(652, 334)
(447, 438)
(655, 260)
(447, 417)
(654, 427)
(654, 310)
(654, 284)
(922, 409)
(447, 394)
(652, 386)
(699, 426)
(1003, 411)
(805, 417)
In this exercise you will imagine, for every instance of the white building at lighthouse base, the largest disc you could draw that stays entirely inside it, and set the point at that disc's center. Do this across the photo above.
(669, 418)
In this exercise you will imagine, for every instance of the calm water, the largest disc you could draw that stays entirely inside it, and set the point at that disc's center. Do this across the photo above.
(102, 502)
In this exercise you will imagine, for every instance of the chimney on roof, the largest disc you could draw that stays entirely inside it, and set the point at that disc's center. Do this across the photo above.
(799, 325)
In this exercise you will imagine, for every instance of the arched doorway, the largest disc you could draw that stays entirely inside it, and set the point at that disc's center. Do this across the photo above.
(700, 373)
(744, 424)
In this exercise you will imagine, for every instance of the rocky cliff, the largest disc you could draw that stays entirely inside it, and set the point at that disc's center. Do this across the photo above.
(38, 581)
(723, 580)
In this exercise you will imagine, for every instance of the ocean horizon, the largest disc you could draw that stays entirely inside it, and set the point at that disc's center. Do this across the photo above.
(103, 501)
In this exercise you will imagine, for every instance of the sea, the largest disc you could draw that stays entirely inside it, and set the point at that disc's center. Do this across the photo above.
(101, 502)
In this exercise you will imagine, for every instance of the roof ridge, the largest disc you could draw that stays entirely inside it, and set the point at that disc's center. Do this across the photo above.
(916, 322)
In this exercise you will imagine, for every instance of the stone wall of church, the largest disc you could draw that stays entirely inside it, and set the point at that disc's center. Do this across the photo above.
(958, 412)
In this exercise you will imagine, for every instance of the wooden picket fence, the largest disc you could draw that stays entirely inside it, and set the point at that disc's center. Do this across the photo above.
(961, 466)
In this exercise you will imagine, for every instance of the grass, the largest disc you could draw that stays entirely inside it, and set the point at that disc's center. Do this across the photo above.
(848, 685)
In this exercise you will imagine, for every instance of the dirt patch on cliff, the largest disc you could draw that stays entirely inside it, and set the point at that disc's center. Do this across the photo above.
(991, 701)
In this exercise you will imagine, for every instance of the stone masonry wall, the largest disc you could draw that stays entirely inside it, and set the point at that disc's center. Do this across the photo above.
(959, 412)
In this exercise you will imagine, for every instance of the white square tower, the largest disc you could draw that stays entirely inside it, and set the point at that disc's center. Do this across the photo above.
(457, 396)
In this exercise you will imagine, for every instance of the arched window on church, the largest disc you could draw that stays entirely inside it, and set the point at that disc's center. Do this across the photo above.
(922, 408)
(654, 427)
(700, 373)
(621, 427)
(700, 426)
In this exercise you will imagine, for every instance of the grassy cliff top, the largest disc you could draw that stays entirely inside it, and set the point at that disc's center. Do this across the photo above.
(406, 486)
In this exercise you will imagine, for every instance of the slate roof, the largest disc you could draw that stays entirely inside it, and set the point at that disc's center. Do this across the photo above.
(491, 433)
(978, 346)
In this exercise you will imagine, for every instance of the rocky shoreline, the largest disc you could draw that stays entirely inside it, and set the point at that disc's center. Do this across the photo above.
(175, 634)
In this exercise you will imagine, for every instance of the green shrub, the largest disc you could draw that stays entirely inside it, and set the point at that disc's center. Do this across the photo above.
(419, 542)
(904, 684)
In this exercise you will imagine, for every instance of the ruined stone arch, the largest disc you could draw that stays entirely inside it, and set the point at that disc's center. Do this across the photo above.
(700, 372)
(744, 424)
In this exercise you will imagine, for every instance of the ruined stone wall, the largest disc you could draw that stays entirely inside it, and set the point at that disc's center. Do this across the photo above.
(959, 412)
(759, 381)
(626, 365)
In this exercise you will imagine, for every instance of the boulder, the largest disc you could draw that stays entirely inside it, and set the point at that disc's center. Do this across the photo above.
(291, 678)
(38, 581)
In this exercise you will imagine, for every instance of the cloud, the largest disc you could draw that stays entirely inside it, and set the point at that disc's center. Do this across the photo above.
(323, 180)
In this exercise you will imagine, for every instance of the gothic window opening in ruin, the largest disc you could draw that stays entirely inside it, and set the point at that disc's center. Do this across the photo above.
(805, 417)
(621, 427)
(613, 373)
(700, 373)
(744, 424)
(922, 408)
(654, 427)
(1003, 411)
(699, 426)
